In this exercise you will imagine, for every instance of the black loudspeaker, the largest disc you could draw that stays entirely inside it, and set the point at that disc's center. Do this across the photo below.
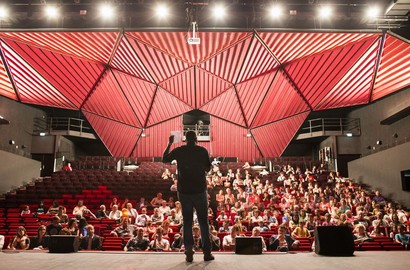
(229, 159)
(63, 243)
(334, 241)
(405, 180)
(248, 245)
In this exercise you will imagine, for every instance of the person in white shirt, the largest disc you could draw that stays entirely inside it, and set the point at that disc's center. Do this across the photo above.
(159, 243)
(143, 218)
(115, 213)
(80, 209)
(164, 209)
(256, 232)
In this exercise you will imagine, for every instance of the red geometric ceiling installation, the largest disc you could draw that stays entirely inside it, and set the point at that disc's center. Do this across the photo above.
(273, 106)
(354, 88)
(94, 46)
(226, 106)
(73, 77)
(258, 82)
(272, 139)
(30, 85)
(394, 69)
(138, 92)
(165, 106)
(321, 72)
(6, 88)
(109, 101)
(119, 138)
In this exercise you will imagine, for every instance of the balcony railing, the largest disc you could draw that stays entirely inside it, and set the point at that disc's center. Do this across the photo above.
(330, 126)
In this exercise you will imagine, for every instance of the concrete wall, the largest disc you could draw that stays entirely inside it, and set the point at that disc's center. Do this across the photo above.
(16, 170)
(382, 171)
(20, 128)
(371, 129)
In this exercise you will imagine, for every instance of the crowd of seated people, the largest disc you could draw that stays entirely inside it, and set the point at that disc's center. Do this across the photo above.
(285, 206)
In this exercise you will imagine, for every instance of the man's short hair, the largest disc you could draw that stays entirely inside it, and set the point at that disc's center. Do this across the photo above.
(190, 136)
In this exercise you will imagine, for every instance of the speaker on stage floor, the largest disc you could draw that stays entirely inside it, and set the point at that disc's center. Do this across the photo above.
(334, 241)
(248, 245)
(63, 243)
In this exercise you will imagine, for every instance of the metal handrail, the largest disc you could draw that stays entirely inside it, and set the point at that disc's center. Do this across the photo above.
(344, 125)
(61, 124)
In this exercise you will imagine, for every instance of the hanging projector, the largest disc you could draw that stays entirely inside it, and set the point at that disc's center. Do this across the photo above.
(194, 40)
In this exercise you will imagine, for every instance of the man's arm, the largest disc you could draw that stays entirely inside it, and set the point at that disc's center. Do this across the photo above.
(165, 156)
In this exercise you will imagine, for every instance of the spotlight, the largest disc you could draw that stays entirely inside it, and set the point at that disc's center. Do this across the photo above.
(107, 11)
(12, 142)
(248, 135)
(3, 12)
(42, 134)
(379, 142)
(143, 135)
(325, 12)
(51, 11)
(372, 12)
(349, 134)
(275, 11)
(161, 11)
(219, 11)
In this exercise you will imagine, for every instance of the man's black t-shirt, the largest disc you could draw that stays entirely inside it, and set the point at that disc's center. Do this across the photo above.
(192, 163)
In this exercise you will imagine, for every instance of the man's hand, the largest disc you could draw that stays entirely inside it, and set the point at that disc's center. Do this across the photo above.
(171, 139)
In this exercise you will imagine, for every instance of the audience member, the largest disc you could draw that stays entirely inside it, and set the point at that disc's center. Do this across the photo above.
(283, 242)
(156, 201)
(257, 233)
(159, 243)
(53, 210)
(20, 241)
(54, 227)
(91, 241)
(102, 213)
(25, 211)
(40, 241)
(402, 237)
(124, 230)
(137, 243)
(143, 218)
(115, 214)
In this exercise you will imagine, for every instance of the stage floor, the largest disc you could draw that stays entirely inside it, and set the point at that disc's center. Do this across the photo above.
(387, 260)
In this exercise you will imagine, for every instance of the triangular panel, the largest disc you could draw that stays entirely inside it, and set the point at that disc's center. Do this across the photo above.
(252, 93)
(226, 106)
(211, 43)
(30, 85)
(160, 65)
(354, 88)
(126, 60)
(73, 77)
(258, 61)
(139, 93)
(281, 101)
(6, 88)
(317, 75)
(95, 46)
(394, 69)
(231, 140)
(227, 64)
(295, 45)
(166, 106)
(182, 86)
(108, 100)
(119, 138)
(208, 86)
(273, 139)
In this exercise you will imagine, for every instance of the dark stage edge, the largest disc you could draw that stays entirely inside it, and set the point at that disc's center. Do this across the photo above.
(387, 260)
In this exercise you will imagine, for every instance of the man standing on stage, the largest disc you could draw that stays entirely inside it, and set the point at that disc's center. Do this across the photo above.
(192, 163)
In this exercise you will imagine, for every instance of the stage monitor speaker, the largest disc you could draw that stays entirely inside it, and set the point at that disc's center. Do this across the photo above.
(405, 180)
(334, 241)
(63, 243)
(248, 245)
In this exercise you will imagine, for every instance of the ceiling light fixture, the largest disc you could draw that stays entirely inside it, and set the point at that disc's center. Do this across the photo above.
(107, 11)
(161, 11)
(219, 11)
(325, 12)
(275, 11)
(3, 12)
(372, 12)
(51, 11)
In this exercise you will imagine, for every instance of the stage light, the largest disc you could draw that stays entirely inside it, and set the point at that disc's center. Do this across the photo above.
(161, 11)
(51, 11)
(275, 11)
(249, 135)
(219, 11)
(325, 12)
(3, 12)
(42, 134)
(372, 12)
(349, 134)
(107, 11)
